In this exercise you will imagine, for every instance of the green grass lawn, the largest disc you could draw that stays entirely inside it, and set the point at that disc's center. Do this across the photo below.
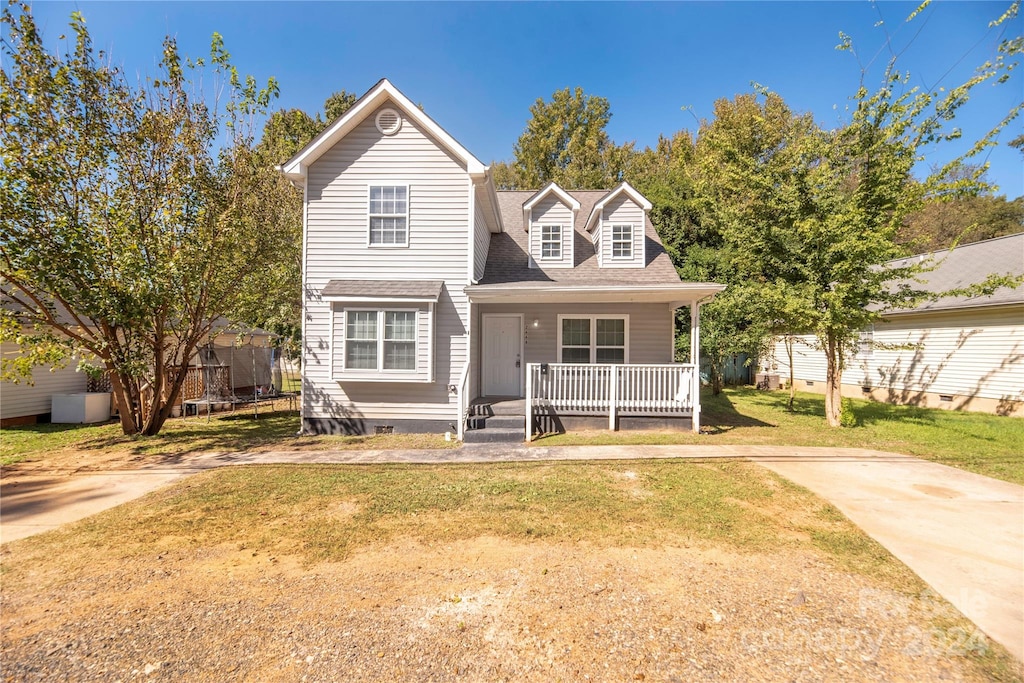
(241, 431)
(325, 512)
(987, 444)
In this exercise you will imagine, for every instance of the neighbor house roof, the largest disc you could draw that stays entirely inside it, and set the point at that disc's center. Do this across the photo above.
(967, 265)
(508, 268)
(383, 91)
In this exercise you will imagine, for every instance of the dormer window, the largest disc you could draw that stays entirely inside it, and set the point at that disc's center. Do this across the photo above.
(551, 241)
(622, 241)
(389, 216)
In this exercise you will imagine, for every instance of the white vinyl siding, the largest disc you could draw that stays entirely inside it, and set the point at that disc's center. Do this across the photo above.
(22, 399)
(336, 247)
(481, 239)
(960, 353)
(550, 211)
(621, 211)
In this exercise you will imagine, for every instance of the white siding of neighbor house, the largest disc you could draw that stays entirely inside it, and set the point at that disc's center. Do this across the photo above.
(481, 241)
(649, 330)
(336, 248)
(22, 399)
(551, 211)
(622, 211)
(966, 353)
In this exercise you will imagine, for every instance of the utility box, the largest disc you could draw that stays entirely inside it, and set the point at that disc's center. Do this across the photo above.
(766, 381)
(80, 408)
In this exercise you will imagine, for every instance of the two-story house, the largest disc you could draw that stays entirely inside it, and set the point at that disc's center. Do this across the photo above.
(430, 297)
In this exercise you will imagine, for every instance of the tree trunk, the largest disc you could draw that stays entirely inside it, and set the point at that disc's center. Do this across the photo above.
(716, 380)
(792, 373)
(833, 381)
(124, 403)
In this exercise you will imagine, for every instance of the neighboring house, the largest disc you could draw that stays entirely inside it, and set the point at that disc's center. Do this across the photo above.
(964, 353)
(429, 296)
(26, 403)
(238, 357)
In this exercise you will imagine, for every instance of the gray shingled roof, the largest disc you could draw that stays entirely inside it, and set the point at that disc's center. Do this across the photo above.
(508, 257)
(384, 289)
(968, 265)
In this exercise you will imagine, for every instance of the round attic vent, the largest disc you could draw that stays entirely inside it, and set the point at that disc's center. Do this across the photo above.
(388, 121)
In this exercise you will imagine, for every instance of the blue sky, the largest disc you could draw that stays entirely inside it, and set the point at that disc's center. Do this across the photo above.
(477, 67)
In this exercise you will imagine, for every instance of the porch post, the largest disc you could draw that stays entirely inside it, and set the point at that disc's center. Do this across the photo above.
(613, 395)
(529, 403)
(695, 359)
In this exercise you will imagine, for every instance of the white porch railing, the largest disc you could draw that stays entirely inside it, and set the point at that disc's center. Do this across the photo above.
(643, 390)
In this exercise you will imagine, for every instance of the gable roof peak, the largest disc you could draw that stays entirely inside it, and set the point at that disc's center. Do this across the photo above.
(552, 187)
(621, 188)
(382, 91)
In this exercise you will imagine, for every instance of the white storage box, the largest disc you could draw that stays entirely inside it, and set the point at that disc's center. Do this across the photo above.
(80, 408)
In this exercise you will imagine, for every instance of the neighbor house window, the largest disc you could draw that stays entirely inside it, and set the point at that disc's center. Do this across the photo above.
(622, 241)
(866, 342)
(551, 241)
(592, 339)
(366, 348)
(389, 215)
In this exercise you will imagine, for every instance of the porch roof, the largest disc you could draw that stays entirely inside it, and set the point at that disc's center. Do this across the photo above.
(677, 294)
(410, 290)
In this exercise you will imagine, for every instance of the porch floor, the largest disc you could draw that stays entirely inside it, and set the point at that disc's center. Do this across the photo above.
(498, 405)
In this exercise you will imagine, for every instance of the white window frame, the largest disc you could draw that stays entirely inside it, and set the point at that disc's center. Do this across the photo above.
(381, 316)
(618, 242)
(370, 216)
(593, 334)
(557, 242)
(866, 342)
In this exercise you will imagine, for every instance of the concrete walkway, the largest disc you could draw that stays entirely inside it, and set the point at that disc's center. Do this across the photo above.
(960, 532)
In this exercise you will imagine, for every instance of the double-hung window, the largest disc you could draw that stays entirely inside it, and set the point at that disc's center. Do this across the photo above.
(389, 215)
(592, 339)
(380, 340)
(551, 241)
(622, 241)
(866, 342)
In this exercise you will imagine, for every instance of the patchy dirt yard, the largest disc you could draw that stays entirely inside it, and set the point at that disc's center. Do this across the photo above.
(483, 609)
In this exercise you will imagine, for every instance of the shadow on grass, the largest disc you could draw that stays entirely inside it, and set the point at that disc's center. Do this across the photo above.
(719, 415)
(178, 438)
(813, 405)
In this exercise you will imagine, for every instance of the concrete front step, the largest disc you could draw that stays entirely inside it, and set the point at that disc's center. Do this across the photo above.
(495, 435)
(496, 422)
(487, 407)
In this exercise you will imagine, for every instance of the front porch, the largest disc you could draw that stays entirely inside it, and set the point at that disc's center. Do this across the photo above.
(640, 394)
(564, 396)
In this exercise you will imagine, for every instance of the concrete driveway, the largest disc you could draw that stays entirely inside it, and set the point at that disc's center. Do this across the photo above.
(961, 532)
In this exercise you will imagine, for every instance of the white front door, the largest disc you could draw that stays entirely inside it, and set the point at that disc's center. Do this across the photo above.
(501, 364)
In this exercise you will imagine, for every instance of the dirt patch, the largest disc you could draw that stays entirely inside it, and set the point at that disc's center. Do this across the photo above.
(486, 609)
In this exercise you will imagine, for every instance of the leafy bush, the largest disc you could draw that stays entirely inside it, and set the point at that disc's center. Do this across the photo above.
(847, 418)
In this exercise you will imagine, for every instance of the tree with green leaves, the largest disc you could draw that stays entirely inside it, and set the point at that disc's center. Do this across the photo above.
(565, 141)
(272, 297)
(817, 233)
(943, 223)
(128, 226)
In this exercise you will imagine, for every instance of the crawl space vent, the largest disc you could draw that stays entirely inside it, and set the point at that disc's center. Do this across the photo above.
(388, 121)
